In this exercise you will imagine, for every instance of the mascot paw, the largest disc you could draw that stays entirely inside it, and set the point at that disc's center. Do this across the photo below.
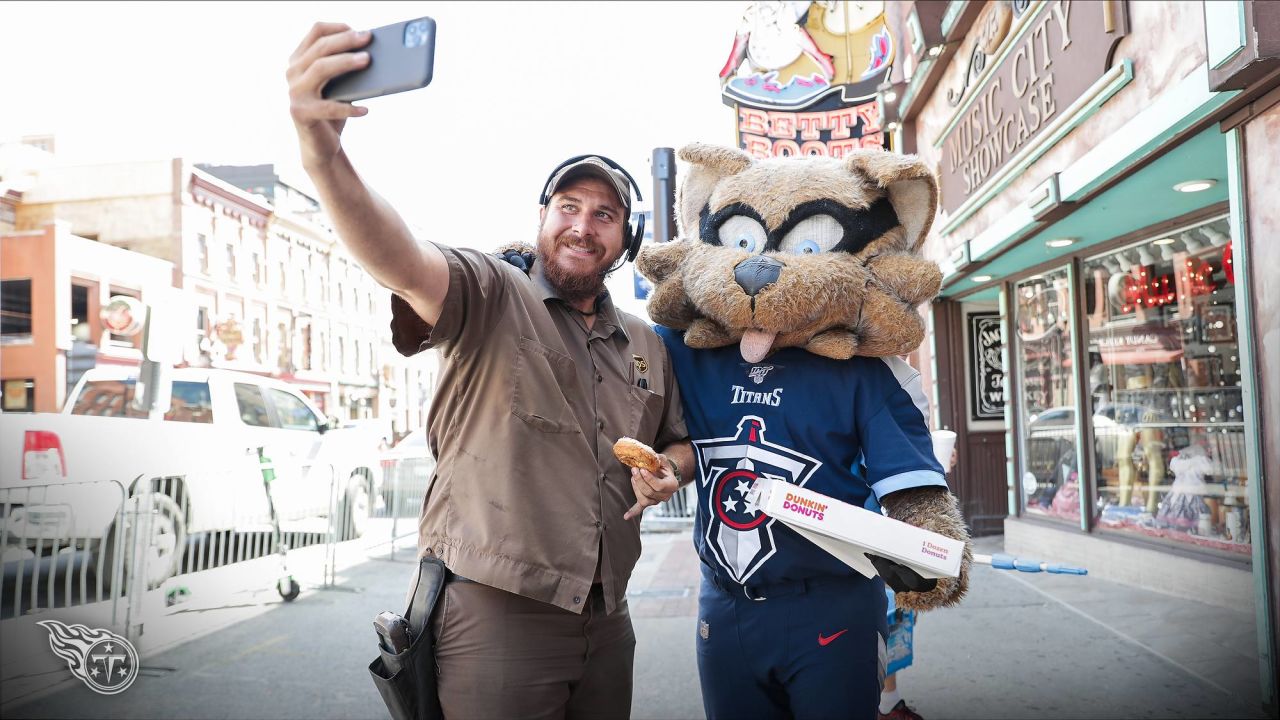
(913, 279)
(659, 262)
(934, 509)
(703, 334)
(889, 327)
(901, 578)
(518, 254)
(834, 344)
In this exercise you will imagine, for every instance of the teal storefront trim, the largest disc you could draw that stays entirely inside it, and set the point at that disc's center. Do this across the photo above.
(1006, 366)
(953, 13)
(1249, 389)
(912, 93)
(1083, 424)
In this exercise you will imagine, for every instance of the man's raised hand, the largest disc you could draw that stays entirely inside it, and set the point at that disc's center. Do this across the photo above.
(328, 50)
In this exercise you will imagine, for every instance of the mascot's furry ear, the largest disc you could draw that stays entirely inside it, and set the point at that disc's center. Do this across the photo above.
(710, 164)
(912, 189)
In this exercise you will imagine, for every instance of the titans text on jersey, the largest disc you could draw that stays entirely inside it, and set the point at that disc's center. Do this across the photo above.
(743, 395)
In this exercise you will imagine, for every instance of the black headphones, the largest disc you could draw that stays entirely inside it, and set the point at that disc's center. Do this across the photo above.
(631, 236)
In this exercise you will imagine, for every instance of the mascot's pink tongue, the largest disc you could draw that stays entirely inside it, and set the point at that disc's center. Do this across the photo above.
(756, 344)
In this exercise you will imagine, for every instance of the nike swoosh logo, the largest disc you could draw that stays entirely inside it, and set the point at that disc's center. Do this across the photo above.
(825, 641)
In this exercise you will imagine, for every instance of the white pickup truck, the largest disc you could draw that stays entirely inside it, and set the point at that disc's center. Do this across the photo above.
(201, 461)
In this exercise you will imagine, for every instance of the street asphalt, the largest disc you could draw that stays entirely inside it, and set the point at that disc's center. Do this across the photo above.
(1019, 646)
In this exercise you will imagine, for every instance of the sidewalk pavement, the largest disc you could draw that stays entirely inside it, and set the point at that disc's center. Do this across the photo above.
(1020, 646)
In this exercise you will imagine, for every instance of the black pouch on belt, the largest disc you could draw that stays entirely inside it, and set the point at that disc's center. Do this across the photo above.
(407, 680)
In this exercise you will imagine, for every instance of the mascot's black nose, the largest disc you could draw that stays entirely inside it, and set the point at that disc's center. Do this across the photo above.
(756, 273)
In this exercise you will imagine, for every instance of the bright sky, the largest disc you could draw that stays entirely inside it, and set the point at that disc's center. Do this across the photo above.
(517, 88)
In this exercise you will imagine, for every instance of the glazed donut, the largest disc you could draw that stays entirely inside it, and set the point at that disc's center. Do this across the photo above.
(636, 454)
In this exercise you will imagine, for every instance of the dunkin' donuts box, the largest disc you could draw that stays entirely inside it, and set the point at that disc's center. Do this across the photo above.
(849, 532)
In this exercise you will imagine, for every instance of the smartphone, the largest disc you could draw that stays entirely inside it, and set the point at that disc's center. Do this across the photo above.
(393, 632)
(401, 57)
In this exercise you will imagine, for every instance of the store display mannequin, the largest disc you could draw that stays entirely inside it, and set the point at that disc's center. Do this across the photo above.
(1186, 504)
(1152, 439)
(1125, 470)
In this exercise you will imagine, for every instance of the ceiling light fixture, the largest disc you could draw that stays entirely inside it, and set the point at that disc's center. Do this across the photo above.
(1163, 241)
(1060, 242)
(1215, 236)
(1193, 243)
(981, 278)
(888, 94)
(1191, 186)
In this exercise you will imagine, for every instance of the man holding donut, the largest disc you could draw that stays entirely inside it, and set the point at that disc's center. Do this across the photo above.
(541, 373)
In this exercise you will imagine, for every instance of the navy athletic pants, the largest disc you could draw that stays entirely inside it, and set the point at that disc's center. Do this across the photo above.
(806, 649)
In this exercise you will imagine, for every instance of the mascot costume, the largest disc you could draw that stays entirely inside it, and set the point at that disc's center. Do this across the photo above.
(785, 303)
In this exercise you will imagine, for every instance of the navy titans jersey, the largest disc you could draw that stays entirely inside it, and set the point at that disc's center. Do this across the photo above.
(803, 419)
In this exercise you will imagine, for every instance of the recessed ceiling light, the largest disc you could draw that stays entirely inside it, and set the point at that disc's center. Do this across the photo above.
(1060, 242)
(980, 278)
(1163, 241)
(1191, 186)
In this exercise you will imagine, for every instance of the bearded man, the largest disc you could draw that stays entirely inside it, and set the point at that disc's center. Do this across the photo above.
(541, 373)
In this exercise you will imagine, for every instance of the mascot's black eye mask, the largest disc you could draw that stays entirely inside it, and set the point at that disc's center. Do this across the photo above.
(860, 226)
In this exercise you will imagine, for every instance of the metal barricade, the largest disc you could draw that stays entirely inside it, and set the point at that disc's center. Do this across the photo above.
(679, 506)
(196, 527)
(409, 479)
(127, 552)
(62, 547)
(406, 482)
(225, 529)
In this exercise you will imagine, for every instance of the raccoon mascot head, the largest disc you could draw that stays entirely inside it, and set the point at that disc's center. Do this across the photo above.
(814, 252)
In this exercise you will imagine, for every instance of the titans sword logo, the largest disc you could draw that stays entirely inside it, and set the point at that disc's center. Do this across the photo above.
(740, 536)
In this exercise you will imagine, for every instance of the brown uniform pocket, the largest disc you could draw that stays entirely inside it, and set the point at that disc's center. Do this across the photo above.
(537, 398)
(646, 414)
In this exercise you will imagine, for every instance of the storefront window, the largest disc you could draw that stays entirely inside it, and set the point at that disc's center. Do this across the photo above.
(1164, 390)
(20, 395)
(1046, 412)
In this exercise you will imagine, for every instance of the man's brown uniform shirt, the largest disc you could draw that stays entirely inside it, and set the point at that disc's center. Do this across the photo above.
(527, 495)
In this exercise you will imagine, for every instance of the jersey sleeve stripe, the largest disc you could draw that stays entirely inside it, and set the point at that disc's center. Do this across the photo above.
(909, 479)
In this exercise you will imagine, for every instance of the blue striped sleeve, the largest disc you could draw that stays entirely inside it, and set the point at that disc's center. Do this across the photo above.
(896, 444)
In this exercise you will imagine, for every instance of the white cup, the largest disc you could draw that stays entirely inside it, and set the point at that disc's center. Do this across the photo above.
(944, 441)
